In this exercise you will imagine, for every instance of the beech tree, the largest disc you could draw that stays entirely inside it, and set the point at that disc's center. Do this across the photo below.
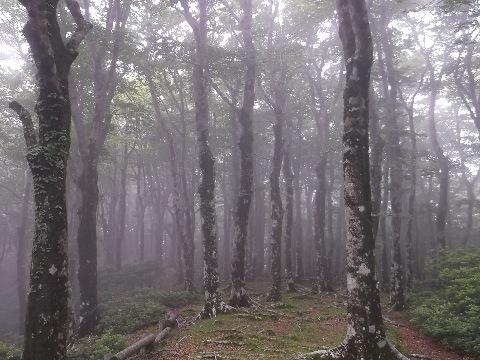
(238, 296)
(213, 299)
(366, 336)
(91, 138)
(47, 153)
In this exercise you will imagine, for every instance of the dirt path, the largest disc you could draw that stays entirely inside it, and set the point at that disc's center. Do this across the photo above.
(415, 342)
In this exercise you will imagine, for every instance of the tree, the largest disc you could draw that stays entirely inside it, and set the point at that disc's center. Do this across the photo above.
(47, 153)
(186, 242)
(90, 144)
(289, 199)
(397, 299)
(22, 251)
(213, 300)
(366, 337)
(238, 296)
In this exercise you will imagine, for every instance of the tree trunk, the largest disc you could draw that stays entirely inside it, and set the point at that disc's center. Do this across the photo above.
(377, 144)
(397, 298)
(206, 190)
(411, 203)
(366, 336)
(90, 146)
(122, 209)
(238, 295)
(442, 160)
(46, 330)
(409, 107)
(299, 265)
(259, 219)
(322, 281)
(22, 253)
(275, 293)
(186, 242)
(384, 261)
(288, 177)
(469, 184)
(141, 210)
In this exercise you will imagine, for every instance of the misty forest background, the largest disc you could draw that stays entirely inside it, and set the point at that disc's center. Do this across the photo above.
(134, 128)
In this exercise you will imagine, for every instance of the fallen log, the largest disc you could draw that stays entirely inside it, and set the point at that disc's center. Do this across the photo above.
(148, 342)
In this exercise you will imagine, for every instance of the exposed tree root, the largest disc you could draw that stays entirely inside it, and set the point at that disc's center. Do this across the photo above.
(214, 306)
(240, 298)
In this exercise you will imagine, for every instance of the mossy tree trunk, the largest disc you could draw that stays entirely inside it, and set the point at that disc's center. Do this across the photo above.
(46, 325)
(22, 252)
(366, 336)
(238, 295)
(397, 297)
(275, 293)
(90, 143)
(213, 300)
(289, 201)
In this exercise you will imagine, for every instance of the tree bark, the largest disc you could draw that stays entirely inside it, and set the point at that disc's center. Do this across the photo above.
(186, 242)
(322, 278)
(22, 253)
(238, 295)
(259, 219)
(46, 324)
(377, 144)
(122, 208)
(289, 200)
(90, 145)
(366, 336)
(213, 300)
(397, 298)
(141, 206)
(443, 164)
(275, 293)
(409, 107)
(299, 266)
(469, 184)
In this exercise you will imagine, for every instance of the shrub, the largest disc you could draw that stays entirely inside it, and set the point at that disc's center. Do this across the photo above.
(122, 314)
(448, 305)
(9, 352)
(93, 348)
(131, 276)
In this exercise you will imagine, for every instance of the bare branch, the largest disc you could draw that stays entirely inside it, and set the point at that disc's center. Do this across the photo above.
(223, 96)
(266, 97)
(27, 122)
(230, 9)
(83, 26)
(188, 15)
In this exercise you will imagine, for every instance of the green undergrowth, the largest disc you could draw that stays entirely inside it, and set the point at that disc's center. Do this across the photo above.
(446, 306)
(124, 313)
(132, 276)
(93, 348)
(9, 352)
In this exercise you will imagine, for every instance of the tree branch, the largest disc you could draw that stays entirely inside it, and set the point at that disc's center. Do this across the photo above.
(27, 122)
(223, 96)
(83, 26)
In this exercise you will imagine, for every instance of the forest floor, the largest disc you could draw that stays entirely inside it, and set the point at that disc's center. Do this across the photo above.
(300, 323)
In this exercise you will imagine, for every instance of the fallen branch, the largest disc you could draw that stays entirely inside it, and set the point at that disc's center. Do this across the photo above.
(419, 356)
(219, 342)
(211, 356)
(393, 322)
(147, 342)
